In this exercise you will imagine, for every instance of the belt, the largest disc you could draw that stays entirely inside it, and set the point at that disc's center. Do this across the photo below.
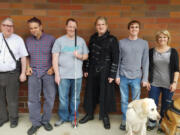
(13, 71)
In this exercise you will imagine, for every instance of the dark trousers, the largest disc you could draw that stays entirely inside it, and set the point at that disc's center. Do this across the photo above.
(165, 97)
(99, 91)
(35, 85)
(9, 88)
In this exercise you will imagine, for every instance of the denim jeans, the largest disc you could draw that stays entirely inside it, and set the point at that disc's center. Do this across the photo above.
(67, 98)
(166, 95)
(35, 85)
(124, 90)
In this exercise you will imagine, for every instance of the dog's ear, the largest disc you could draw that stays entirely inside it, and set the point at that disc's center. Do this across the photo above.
(137, 106)
(144, 106)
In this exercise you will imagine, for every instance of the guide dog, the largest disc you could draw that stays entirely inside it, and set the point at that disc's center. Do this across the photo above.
(137, 115)
(171, 122)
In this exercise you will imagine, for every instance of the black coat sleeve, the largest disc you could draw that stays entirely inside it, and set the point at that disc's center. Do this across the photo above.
(176, 59)
(86, 62)
(114, 46)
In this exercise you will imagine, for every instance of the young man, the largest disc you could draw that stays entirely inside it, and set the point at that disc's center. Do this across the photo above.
(133, 67)
(40, 72)
(67, 64)
(9, 76)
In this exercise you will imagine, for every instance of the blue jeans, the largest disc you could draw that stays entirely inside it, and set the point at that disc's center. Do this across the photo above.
(124, 90)
(67, 94)
(166, 95)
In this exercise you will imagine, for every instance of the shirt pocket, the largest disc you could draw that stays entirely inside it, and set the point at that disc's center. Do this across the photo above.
(46, 49)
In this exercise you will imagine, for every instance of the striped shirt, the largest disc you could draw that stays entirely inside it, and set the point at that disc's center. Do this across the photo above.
(40, 53)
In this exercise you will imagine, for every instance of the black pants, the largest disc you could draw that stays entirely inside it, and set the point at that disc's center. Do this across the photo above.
(9, 88)
(99, 90)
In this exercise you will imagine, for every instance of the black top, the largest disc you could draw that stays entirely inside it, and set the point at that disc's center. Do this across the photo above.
(103, 53)
(173, 65)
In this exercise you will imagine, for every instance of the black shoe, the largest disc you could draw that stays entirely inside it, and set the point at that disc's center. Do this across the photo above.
(59, 122)
(47, 126)
(86, 118)
(123, 127)
(13, 123)
(159, 130)
(33, 130)
(106, 122)
(149, 128)
(2, 123)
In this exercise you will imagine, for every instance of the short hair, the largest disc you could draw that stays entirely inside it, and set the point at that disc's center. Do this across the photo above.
(101, 18)
(7, 19)
(34, 19)
(71, 19)
(132, 22)
(164, 32)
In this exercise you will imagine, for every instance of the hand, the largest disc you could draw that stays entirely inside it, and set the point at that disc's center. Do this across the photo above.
(22, 77)
(146, 85)
(173, 87)
(29, 71)
(50, 71)
(86, 74)
(117, 81)
(57, 79)
(110, 80)
(77, 55)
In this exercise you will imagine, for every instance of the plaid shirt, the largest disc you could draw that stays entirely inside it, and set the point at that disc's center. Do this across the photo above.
(40, 53)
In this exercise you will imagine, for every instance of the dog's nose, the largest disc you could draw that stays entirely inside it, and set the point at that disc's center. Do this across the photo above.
(158, 116)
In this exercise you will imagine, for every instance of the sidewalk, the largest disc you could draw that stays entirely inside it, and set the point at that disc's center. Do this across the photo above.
(94, 127)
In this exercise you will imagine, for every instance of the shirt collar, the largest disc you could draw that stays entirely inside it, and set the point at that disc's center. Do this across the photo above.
(43, 34)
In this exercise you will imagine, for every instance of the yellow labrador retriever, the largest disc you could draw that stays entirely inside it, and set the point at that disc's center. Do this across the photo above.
(137, 114)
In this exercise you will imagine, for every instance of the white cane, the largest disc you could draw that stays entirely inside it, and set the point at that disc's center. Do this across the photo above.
(75, 80)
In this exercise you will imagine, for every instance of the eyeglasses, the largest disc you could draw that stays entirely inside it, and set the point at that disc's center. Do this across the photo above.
(6, 25)
(134, 27)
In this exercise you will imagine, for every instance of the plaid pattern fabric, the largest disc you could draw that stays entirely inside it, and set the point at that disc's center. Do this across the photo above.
(40, 53)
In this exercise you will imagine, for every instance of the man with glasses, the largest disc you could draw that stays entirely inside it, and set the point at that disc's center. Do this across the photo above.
(9, 76)
(133, 67)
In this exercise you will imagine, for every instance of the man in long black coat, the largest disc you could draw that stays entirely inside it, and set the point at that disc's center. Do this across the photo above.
(100, 70)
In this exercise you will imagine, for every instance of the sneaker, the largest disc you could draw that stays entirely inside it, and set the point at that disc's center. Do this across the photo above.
(13, 123)
(151, 124)
(58, 123)
(159, 130)
(122, 127)
(33, 130)
(149, 128)
(47, 126)
(73, 124)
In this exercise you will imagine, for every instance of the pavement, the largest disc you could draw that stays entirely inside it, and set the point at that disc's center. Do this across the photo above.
(93, 127)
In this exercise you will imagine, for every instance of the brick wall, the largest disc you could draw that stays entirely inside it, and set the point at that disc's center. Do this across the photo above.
(154, 15)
